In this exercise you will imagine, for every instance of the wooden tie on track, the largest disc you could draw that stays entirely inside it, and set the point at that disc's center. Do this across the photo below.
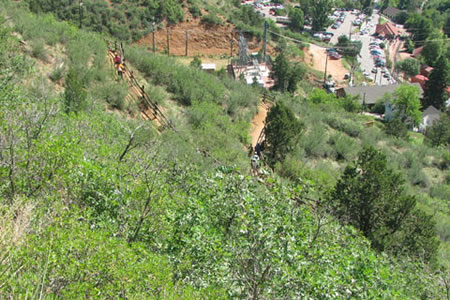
(137, 93)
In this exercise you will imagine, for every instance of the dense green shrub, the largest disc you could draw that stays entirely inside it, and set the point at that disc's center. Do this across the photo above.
(38, 50)
(212, 19)
(75, 95)
(57, 74)
(345, 147)
(114, 94)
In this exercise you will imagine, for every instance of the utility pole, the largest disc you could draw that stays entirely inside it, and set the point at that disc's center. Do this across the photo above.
(187, 41)
(153, 35)
(80, 12)
(231, 46)
(168, 41)
(326, 64)
(266, 25)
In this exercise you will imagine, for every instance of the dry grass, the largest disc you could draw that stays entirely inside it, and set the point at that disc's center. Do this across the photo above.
(15, 223)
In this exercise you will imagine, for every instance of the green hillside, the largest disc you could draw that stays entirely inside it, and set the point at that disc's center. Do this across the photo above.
(98, 202)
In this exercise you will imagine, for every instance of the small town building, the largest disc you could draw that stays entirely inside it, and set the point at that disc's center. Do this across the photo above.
(420, 79)
(387, 30)
(391, 12)
(370, 94)
(417, 52)
(425, 70)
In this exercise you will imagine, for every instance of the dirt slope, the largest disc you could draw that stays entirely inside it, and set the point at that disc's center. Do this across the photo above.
(316, 57)
(203, 39)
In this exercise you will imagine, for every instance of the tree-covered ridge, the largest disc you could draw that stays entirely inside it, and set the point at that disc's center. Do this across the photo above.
(126, 20)
(82, 219)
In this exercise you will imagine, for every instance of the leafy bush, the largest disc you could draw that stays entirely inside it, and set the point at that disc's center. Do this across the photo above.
(195, 11)
(345, 147)
(114, 94)
(212, 18)
(314, 141)
(157, 94)
(57, 74)
(38, 50)
(396, 128)
(75, 96)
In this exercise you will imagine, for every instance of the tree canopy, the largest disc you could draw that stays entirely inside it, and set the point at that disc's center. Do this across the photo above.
(407, 106)
(435, 88)
(282, 133)
(372, 197)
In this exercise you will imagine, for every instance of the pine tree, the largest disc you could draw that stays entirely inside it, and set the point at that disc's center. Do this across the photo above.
(435, 93)
(282, 132)
(371, 197)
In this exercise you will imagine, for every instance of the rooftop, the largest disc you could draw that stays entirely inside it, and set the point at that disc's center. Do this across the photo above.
(371, 93)
(387, 29)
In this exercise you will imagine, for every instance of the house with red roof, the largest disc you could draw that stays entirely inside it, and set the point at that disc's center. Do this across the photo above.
(420, 79)
(425, 70)
(387, 30)
(417, 52)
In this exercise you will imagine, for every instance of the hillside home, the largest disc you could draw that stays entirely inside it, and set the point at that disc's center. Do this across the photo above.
(391, 12)
(387, 30)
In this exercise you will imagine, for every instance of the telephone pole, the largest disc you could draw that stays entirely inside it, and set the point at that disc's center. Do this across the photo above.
(187, 43)
(153, 35)
(168, 41)
(266, 25)
(326, 64)
(231, 46)
(80, 12)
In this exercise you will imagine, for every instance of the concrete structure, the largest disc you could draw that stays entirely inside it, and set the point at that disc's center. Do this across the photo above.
(208, 67)
(259, 73)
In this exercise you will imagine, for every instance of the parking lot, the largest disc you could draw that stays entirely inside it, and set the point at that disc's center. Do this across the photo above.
(366, 59)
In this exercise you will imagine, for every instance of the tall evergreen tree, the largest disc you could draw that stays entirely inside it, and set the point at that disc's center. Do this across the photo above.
(371, 197)
(435, 93)
(280, 72)
(283, 131)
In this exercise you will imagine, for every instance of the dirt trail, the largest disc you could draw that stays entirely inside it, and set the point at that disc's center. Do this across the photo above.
(257, 124)
(316, 57)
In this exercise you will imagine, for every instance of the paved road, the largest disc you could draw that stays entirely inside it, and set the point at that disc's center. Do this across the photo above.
(366, 60)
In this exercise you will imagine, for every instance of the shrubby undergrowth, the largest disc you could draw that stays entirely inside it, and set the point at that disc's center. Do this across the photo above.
(95, 205)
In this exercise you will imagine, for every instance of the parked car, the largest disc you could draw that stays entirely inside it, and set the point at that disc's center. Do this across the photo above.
(374, 70)
(334, 55)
